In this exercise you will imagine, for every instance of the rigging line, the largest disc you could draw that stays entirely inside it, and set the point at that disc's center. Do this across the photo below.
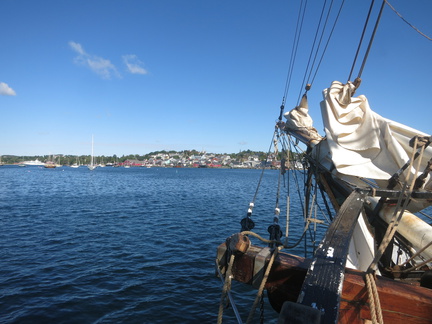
(313, 205)
(417, 253)
(409, 24)
(374, 302)
(226, 288)
(299, 27)
(326, 206)
(328, 41)
(263, 168)
(361, 39)
(230, 298)
(300, 239)
(312, 48)
(311, 209)
(372, 39)
(400, 208)
(307, 197)
(286, 145)
(288, 197)
(417, 266)
(258, 237)
(262, 285)
(297, 181)
(278, 188)
(321, 38)
(294, 174)
(287, 141)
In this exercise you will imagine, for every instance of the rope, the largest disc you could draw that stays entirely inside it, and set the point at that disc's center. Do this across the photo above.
(418, 253)
(262, 285)
(371, 40)
(230, 299)
(288, 198)
(309, 84)
(313, 44)
(321, 36)
(299, 26)
(226, 288)
(287, 142)
(400, 16)
(361, 39)
(394, 223)
(417, 266)
(247, 220)
(312, 234)
(328, 41)
(258, 237)
(287, 219)
(265, 163)
(374, 302)
(274, 241)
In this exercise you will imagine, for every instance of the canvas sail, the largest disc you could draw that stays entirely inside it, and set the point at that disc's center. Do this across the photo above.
(361, 143)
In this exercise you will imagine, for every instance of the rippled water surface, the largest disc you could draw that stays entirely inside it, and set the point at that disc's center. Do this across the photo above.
(121, 245)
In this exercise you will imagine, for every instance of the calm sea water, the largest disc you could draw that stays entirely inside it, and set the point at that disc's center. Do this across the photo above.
(122, 245)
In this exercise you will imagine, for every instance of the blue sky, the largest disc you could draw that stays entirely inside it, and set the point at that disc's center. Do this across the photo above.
(155, 75)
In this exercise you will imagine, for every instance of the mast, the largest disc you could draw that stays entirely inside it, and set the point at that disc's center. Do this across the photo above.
(92, 166)
(91, 161)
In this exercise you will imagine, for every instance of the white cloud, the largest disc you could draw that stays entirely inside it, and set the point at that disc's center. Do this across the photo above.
(5, 90)
(102, 67)
(133, 64)
(77, 48)
(97, 64)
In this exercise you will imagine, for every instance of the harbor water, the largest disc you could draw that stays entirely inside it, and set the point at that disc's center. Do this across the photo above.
(118, 245)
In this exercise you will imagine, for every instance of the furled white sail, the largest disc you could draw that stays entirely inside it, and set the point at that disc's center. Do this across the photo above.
(360, 140)
(299, 120)
(362, 143)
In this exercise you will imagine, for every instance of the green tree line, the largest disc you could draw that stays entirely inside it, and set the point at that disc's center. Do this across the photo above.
(85, 159)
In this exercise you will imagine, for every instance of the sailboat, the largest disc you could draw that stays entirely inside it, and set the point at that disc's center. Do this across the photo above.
(92, 165)
(76, 164)
(373, 263)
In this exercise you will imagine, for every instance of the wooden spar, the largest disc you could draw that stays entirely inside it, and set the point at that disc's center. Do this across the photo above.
(400, 302)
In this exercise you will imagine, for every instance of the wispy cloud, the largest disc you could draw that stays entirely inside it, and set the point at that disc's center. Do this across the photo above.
(99, 65)
(77, 48)
(133, 64)
(5, 90)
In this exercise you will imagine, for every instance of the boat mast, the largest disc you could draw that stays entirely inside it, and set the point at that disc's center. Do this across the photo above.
(91, 160)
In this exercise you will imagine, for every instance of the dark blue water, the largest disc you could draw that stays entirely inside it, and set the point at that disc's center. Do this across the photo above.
(122, 245)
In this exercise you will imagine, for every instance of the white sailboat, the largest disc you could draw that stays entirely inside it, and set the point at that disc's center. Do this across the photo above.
(76, 164)
(92, 166)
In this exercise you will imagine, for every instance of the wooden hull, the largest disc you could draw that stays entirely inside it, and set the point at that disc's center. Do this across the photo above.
(400, 302)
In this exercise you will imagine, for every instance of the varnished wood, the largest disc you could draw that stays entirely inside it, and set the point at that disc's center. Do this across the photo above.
(400, 302)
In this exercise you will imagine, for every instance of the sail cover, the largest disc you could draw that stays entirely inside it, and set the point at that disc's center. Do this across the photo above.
(298, 120)
(362, 143)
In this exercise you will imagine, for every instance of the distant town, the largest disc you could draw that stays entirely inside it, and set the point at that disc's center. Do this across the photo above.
(188, 158)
